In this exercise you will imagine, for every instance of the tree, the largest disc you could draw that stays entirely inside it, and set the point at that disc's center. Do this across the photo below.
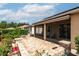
(3, 24)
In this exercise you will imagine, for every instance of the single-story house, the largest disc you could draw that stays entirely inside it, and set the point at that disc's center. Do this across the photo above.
(62, 26)
(24, 26)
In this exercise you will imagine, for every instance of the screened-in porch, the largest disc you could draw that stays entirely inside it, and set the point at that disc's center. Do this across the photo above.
(58, 30)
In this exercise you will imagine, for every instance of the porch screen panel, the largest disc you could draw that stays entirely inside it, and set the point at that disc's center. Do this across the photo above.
(32, 30)
(40, 30)
(64, 30)
(37, 31)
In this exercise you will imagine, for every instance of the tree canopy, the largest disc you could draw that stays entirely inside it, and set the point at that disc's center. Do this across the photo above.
(4, 24)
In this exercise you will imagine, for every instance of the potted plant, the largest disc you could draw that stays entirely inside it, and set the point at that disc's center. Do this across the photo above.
(77, 43)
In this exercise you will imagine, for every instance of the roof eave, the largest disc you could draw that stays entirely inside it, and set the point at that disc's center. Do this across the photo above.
(68, 12)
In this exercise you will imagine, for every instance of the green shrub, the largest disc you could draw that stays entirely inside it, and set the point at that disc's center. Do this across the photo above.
(24, 32)
(14, 32)
(5, 48)
(9, 35)
(77, 43)
(1, 51)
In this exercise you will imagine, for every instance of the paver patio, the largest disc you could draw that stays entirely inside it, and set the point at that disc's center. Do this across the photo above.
(32, 44)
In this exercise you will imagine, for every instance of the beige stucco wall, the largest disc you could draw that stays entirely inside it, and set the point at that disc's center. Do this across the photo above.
(74, 28)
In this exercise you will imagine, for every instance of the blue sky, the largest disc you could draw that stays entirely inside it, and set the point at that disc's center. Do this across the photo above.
(31, 12)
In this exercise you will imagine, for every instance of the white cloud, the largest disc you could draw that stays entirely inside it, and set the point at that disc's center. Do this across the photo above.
(5, 11)
(29, 10)
(2, 4)
(36, 8)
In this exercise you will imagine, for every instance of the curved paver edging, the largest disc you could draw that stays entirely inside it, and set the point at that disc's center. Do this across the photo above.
(21, 46)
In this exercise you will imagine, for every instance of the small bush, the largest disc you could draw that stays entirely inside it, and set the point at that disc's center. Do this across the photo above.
(77, 43)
